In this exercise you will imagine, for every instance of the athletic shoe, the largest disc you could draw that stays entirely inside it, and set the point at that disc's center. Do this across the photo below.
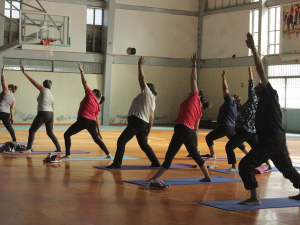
(158, 185)
(66, 157)
(113, 166)
(52, 158)
(109, 156)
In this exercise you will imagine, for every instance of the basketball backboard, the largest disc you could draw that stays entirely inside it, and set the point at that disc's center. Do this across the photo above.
(34, 27)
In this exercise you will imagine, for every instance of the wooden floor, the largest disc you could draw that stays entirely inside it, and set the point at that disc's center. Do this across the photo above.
(33, 192)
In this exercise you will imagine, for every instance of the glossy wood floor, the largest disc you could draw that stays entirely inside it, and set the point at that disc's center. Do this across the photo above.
(33, 192)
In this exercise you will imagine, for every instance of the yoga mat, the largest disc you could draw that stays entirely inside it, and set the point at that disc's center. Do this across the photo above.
(220, 159)
(186, 181)
(44, 152)
(147, 167)
(265, 204)
(94, 158)
(274, 169)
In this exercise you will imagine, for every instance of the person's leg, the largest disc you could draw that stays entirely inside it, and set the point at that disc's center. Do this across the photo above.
(213, 135)
(193, 151)
(258, 155)
(126, 136)
(73, 129)
(49, 130)
(283, 163)
(36, 124)
(143, 143)
(174, 146)
(91, 128)
(230, 132)
(6, 122)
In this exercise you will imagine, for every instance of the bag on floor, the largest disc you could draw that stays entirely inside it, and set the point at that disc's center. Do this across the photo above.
(8, 147)
(261, 169)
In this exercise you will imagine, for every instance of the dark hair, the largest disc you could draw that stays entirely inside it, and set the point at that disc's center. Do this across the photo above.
(47, 84)
(152, 88)
(12, 87)
(99, 95)
(238, 100)
(204, 100)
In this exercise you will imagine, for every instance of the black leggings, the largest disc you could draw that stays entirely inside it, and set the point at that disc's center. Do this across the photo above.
(182, 135)
(5, 117)
(264, 150)
(42, 117)
(81, 124)
(239, 138)
(220, 132)
(136, 127)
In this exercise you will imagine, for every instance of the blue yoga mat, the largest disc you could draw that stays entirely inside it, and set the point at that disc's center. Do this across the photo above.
(186, 181)
(265, 204)
(221, 159)
(274, 169)
(147, 167)
(94, 158)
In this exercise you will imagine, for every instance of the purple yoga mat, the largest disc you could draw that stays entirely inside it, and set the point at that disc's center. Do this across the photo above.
(147, 167)
(44, 152)
(221, 159)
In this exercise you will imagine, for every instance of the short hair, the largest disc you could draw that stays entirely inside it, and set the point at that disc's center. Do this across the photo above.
(47, 84)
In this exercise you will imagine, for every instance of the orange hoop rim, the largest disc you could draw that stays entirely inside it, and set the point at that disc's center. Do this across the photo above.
(47, 41)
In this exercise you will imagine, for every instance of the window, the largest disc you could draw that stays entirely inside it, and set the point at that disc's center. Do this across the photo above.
(13, 9)
(286, 80)
(94, 30)
(274, 30)
(254, 27)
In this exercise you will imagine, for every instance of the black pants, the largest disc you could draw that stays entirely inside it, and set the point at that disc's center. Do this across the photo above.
(5, 117)
(239, 138)
(220, 132)
(182, 135)
(136, 127)
(81, 124)
(42, 117)
(264, 150)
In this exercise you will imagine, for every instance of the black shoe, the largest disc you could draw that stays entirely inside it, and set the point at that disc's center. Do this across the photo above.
(113, 166)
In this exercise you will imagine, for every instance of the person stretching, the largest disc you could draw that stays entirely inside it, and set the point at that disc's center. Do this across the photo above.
(45, 113)
(185, 132)
(140, 121)
(7, 104)
(87, 118)
(270, 134)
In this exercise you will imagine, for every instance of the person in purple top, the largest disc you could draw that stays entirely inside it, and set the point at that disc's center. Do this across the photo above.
(226, 119)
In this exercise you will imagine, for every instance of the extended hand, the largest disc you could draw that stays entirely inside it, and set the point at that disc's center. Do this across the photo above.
(194, 58)
(99, 135)
(223, 74)
(250, 41)
(12, 120)
(141, 61)
(23, 70)
(2, 69)
(250, 69)
(79, 66)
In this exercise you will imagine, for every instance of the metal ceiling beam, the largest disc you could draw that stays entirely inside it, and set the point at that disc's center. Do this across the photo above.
(99, 4)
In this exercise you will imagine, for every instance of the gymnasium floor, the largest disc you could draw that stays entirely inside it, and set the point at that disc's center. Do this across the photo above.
(74, 192)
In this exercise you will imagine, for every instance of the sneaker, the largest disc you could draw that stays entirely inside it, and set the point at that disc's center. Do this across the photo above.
(158, 185)
(52, 158)
(113, 166)
(26, 151)
(66, 157)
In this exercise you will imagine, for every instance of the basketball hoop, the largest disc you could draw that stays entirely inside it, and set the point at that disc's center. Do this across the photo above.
(49, 44)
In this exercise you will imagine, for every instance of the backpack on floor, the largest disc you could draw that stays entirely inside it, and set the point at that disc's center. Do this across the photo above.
(8, 147)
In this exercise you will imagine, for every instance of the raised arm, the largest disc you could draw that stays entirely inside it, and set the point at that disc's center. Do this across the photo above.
(193, 78)
(251, 91)
(141, 73)
(224, 85)
(258, 64)
(84, 83)
(4, 85)
(40, 87)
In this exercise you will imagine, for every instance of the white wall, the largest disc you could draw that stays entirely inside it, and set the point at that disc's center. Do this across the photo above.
(188, 5)
(224, 35)
(155, 34)
(78, 23)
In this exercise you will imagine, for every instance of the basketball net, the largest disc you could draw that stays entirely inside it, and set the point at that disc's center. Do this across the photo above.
(49, 45)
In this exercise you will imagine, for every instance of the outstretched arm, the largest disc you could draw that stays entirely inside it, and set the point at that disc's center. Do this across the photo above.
(12, 112)
(4, 86)
(40, 87)
(141, 73)
(258, 64)
(251, 92)
(193, 78)
(84, 83)
(224, 85)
